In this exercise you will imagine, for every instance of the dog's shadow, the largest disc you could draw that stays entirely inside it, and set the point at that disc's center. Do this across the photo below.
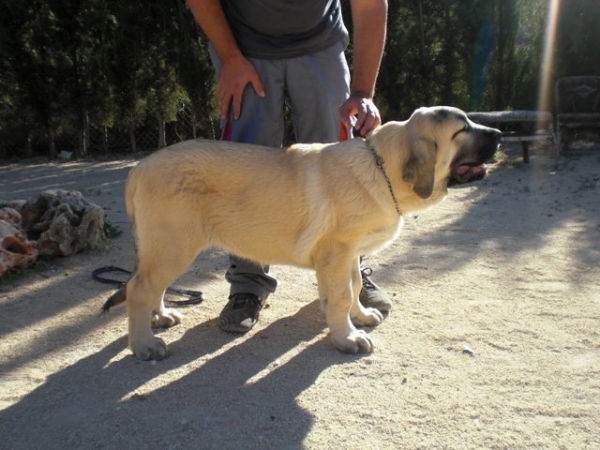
(239, 397)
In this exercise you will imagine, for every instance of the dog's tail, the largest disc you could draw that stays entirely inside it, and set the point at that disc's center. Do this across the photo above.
(117, 298)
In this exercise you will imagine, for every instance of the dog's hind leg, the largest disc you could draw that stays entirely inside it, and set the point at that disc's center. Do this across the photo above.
(361, 316)
(141, 299)
(334, 268)
(160, 262)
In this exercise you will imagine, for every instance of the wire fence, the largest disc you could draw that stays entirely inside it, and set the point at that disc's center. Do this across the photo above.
(115, 139)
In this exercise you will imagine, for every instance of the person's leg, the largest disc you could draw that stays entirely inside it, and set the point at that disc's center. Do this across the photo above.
(318, 85)
(260, 122)
(372, 295)
(261, 119)
(248, 277)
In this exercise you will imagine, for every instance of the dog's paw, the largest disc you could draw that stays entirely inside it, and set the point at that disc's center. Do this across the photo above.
(368, 317)
(153, 348)
(357, 341)
(165, 319)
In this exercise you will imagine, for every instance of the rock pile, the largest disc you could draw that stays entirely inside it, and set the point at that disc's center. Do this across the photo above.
(52, 223)
(15, 249)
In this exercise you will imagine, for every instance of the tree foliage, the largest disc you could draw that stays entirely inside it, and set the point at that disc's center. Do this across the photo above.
(578, 35)
(72, 68)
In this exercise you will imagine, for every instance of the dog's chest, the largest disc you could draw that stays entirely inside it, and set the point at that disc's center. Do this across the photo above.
(381, 237)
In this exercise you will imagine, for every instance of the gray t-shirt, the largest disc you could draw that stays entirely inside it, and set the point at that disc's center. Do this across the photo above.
(279, 29)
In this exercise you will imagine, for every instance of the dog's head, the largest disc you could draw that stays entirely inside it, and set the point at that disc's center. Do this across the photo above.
(440, 146)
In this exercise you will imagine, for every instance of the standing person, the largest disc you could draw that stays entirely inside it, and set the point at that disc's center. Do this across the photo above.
(267, 52)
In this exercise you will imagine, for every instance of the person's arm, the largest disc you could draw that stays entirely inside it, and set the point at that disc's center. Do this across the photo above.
(236, 71)
(369, 19)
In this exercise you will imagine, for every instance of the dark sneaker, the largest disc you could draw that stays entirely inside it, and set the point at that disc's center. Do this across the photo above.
(371, 295)
(241, 313)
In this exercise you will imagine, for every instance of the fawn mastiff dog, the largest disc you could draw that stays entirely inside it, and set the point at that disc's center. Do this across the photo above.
(317, 206)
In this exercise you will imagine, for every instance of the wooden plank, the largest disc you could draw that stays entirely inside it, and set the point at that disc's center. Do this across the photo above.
(530, 138)
(511, 116)
(591, 124)
(577, 116)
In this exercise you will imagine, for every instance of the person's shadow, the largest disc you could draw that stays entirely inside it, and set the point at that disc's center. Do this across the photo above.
(242, 397)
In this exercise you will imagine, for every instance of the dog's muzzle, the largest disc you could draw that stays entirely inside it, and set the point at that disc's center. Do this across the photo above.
(467, 174)
(470, 171)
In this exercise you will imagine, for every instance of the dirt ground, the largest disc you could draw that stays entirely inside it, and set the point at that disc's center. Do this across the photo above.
(493, 343)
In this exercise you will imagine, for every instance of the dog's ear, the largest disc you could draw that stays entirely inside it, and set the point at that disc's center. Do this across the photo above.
(419, 169)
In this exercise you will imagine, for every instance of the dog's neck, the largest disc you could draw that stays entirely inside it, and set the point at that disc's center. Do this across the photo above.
(379, 161)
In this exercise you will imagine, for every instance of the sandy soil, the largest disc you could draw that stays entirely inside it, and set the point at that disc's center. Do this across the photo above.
(493, 343)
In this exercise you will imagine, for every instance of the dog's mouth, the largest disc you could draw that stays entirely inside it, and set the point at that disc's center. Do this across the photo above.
(467, 174)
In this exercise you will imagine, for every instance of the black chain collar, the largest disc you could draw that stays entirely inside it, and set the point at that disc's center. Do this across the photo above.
(380, 163)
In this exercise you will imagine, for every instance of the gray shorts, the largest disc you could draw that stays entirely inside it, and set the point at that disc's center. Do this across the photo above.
(314, 87)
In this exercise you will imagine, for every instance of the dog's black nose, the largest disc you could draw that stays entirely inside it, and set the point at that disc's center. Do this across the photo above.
(497, 134)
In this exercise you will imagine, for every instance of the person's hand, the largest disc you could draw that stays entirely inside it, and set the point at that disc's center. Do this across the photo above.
(235, 75)
(364, 110)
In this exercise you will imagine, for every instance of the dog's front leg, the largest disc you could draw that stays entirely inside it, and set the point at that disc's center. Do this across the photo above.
(334, 275)
(361, 316)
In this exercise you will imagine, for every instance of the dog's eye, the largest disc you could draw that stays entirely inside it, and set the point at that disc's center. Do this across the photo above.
(462, 130)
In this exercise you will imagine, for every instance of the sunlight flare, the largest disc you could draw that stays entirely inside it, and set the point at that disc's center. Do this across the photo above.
(548, 57)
